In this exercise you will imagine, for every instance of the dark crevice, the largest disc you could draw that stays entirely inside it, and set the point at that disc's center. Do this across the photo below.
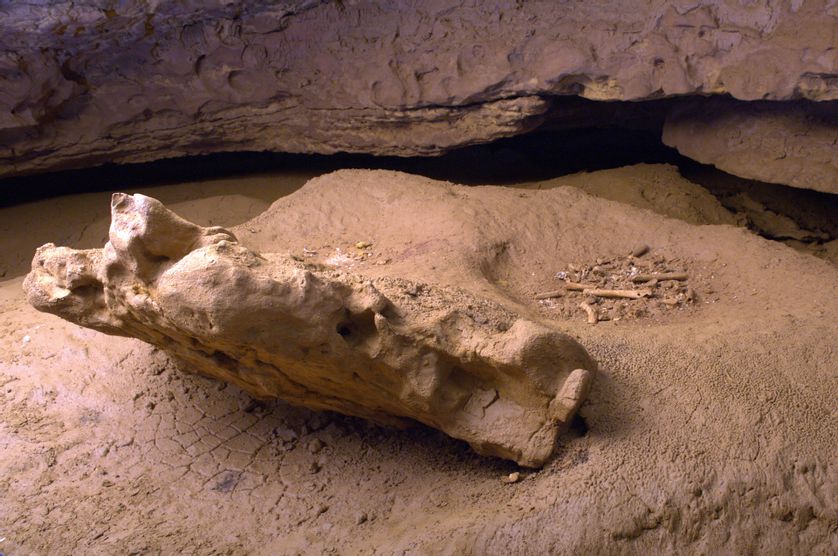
(578, 135)
(357, 328)
(578, 426)
(773, 211)
(543, 154)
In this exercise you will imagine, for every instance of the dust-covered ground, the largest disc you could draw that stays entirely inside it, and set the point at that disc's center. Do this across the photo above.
(711, 427)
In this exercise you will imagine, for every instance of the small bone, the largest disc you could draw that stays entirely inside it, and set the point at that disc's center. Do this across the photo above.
(690, 295)
(681, 276)
(550, 295)
(592, 318)
(576, 287)
(619, 294)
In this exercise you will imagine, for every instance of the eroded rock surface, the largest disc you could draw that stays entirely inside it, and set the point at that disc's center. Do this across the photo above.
(385, 349)
(789, 143)
(88, 82)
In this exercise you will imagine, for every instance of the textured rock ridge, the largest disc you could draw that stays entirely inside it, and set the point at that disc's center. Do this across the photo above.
(88, 82)
(319, 338)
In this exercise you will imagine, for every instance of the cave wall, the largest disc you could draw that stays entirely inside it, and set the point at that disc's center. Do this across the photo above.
(94, 81)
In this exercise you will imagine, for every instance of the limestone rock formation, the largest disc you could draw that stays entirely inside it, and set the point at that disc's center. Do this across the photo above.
(790, 143)
(386, 349)
(92, 81)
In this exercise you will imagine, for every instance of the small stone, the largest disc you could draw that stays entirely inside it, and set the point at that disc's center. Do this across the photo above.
(315, 467)
(511, 478)
(363, 245)
(361, 518)
(803, 516)
(285, 434)
(315, 446)
(26, 339)
(51, 457)
(640, 250)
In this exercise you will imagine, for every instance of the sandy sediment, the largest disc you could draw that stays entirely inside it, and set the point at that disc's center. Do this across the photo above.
(711, 426)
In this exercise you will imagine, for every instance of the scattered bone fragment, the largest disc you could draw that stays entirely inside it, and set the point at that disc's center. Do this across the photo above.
(619, 294)
(649, 278)
(679, 276)
(592, 317)
(386, 349)
(690, 295)
(550, 295)
(512, 478)
(577, 287)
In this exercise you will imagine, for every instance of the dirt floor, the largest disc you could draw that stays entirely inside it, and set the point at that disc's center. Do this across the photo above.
(711, 427)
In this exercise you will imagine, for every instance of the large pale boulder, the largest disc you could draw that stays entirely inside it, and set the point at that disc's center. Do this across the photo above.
(387, 349)
(789, 143)
(93, 81)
